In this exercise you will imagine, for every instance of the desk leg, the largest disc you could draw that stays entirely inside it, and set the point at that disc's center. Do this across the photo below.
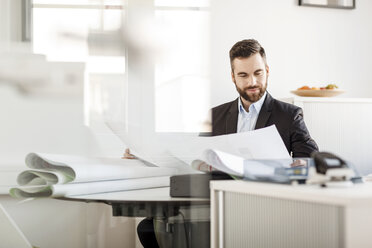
(181, 231)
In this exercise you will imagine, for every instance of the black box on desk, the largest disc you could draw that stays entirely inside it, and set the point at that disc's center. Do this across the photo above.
(194, 185)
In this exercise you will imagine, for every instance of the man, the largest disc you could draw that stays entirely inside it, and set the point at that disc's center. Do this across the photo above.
(255, 108)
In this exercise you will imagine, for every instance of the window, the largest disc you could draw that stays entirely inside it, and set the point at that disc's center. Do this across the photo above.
(108, 36)
(87, 31)
(182, 72)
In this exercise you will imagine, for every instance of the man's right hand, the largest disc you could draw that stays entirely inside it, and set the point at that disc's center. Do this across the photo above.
(128, 155)
(299, 163)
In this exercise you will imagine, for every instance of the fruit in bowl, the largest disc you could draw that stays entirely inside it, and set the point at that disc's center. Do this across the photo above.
(304, 88)
(328, 87)
(326, 91)
(331, 87)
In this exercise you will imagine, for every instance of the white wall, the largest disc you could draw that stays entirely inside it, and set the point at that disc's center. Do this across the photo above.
(54, 124)
(304, 45)
(34, 123)
(50, 124)
(59, 224)
(10, 20)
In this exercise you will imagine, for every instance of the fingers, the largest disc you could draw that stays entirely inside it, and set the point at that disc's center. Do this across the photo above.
(128, 155)
(298, 162)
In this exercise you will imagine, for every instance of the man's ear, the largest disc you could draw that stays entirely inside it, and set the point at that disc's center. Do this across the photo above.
(267, 70)
(232, 76)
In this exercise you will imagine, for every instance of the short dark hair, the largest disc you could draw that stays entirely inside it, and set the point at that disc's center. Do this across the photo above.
(245, 49)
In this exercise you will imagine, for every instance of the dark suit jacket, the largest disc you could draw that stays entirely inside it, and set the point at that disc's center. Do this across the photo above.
(287, 118)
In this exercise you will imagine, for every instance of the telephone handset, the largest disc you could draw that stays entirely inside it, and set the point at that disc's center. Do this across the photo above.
(330, 170)
(325, 160)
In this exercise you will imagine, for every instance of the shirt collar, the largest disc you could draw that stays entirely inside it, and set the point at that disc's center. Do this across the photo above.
(256, 105)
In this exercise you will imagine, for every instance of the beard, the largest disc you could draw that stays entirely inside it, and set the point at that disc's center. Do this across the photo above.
(252, 97)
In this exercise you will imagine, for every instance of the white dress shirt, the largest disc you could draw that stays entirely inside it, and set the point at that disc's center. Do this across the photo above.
(247, 120)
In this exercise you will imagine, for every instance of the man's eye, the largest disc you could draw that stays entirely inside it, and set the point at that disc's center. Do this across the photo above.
(258, 73)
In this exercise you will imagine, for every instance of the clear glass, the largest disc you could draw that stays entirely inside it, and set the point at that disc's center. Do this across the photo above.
(69, 40)
(92, 36)
(78, 2)
(182, 71)
(182, 3)
(146, 79)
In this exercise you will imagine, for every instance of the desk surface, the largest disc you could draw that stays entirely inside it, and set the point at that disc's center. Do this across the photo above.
(141, 203)
(356, 195)
(144, 195)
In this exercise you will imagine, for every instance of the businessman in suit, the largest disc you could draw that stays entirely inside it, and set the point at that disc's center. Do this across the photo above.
(255, 108)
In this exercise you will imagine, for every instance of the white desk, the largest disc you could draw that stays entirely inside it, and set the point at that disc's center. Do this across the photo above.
(148, 195)
(251, 214)
(142, 203)
(176, 219)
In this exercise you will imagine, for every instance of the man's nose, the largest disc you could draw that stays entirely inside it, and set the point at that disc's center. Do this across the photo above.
(252, 81)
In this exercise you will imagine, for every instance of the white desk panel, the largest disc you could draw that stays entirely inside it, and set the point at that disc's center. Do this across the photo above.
(263, 215)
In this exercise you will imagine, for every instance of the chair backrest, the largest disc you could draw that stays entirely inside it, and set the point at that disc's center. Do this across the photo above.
(10, 235)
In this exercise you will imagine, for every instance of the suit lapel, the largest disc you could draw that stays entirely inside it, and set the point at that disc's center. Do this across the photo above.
(265, 112)
(232, 118)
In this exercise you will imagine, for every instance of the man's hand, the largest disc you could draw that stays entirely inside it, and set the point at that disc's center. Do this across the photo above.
(299, 163)
(128, 155)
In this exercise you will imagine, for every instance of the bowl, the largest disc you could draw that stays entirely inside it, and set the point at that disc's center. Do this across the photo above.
(317, 93)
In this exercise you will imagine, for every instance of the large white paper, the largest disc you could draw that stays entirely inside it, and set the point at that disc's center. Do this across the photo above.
(264, 143)
(60, 169)
(72, 189)
(247, 167)
(58, 175)
(229, 153)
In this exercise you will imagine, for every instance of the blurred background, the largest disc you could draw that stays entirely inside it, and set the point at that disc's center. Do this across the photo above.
(92, 77)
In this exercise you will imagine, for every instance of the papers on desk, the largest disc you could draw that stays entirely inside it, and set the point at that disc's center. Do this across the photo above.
(264, 143)
(62, 175)
(230, 153)
(271, 170)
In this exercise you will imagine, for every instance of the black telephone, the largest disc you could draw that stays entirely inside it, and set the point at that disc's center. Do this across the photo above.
(326, 160)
